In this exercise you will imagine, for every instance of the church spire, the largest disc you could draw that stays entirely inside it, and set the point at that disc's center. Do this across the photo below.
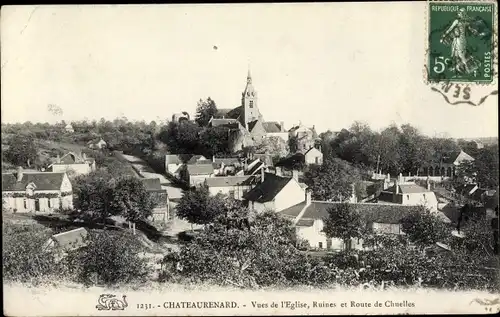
(249, 76)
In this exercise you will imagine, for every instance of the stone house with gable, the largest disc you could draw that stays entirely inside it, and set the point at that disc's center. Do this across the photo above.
(73, 163)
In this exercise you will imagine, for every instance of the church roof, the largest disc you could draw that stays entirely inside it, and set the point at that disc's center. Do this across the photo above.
(272, 127)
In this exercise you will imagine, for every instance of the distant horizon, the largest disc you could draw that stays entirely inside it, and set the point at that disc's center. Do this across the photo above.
(93, 63)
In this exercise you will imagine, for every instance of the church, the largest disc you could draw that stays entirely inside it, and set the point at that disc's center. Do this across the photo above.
(246, 123)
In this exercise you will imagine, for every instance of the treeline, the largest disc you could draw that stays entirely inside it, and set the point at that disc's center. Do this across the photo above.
(404, 150)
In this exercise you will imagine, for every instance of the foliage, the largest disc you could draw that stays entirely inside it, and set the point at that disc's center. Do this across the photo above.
(424, 228)
(101, 194)
(198, 206)
(109, 258)
(293, 144)
(331, 181)
(131, 200)
(22, 150)
(263, 253)
(24, 258)
(205, 110)
(273, 145)
(486, 163)
(343, 222)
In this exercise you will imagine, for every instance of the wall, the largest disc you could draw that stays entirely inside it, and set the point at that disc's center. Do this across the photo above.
(55, 203)
(290, 195)
(196, 180)
(78, 169)
(314, 235)
(238, 190)
(427, 199)
(310, 157)
(283, 135)
(262, 207)
(387, 228)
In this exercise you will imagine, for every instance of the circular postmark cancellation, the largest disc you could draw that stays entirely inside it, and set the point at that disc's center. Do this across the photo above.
(461, 55)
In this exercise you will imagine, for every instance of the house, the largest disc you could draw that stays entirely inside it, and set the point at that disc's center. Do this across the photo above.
(97, 144)
(161, 212)
(446, 167)
(313, 156)
(275, 193)
(69, 128)
(308, 217)
(71, 162)
(36, 191)
(67, 241)
(233, 186)
(195, 174)
(305, 137)
(409, 193)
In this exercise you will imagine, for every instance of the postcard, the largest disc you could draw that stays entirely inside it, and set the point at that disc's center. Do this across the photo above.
(250, 159)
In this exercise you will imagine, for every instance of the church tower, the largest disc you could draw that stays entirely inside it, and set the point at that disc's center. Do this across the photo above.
(249, 103)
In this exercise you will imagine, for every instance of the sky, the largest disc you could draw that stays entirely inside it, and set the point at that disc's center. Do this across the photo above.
(323, 64)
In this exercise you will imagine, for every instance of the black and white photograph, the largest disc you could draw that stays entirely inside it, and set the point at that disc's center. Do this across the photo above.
(250, 159)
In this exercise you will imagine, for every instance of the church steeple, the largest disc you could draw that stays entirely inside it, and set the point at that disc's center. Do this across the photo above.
(249, 102)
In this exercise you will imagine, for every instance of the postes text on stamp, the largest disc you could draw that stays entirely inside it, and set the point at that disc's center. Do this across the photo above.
(461, 47)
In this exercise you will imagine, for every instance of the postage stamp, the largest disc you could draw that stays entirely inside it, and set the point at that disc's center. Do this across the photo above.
(461, 41)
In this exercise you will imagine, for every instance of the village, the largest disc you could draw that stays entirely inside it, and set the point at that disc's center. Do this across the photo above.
(264, 166)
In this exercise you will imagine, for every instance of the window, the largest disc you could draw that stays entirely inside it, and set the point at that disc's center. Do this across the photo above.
(25, 201)
(49, 203)
(424, 196)
(251, 103)
(407, 196)
(320, 245)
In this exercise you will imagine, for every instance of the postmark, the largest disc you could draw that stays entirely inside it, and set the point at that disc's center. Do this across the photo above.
(462, 45)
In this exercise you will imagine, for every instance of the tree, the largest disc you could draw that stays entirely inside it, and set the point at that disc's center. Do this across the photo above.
(205, 110)
(273, 145)
(94, 195)
(486, 163)
(293, 144)
(331, 181)
(424, 228)
(262, 254)
(22, 150)
(197, 206)
(343, 222)
(214, 141)
(109, 258)
(131, 200)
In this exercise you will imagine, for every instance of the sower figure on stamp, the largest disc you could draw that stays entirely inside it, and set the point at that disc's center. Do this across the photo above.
(458, 32)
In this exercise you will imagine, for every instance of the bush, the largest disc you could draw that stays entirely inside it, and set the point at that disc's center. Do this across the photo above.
(23, 256)
(109, 258)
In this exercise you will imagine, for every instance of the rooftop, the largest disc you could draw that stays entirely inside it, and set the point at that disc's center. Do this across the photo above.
(42, 181)
(224, 181)
(200, 169)
(267, 190)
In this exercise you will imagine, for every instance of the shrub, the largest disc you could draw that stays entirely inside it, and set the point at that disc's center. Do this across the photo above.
(24, 258)
(109, 258)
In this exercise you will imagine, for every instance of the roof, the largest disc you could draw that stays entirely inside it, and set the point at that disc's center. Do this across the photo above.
(313, 149)
(222, 112)
(452, 157)
(152, 184)
(267, 190)
(223, 122)
(409, 188)
(200, 169)
(469, 187)
(173, 159)
(272, 127)
(42, 181)
(252, 124)
(228, 160)
(235, 113)
(196, 158)
(370, 213)
(255, 168)
(71, 239)
(232, 181)
(294, 210)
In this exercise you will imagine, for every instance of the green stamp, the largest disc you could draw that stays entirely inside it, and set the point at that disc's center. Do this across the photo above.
(461, 42)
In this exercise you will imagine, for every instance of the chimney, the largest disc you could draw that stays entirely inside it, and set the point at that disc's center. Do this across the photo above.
(84, 156)
(295, 175)
(278, 171)
(262, 173)
(58, 160)
(282, 125)
(308, 197)
(396, 185)
(19, 174)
